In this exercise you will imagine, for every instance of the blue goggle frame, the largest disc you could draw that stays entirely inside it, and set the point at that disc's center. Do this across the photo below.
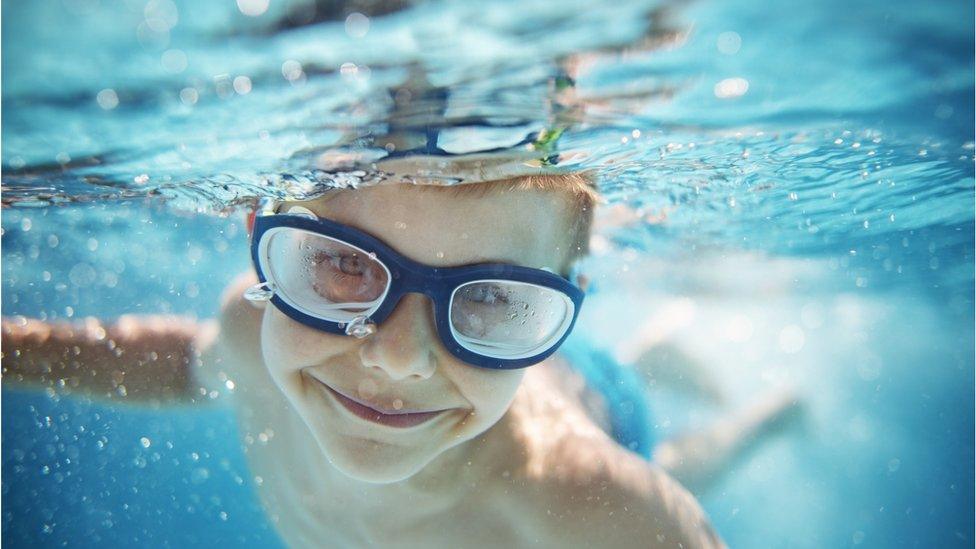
(408, 276)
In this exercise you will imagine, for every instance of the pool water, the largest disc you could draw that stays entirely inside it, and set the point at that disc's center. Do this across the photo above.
(789, 191)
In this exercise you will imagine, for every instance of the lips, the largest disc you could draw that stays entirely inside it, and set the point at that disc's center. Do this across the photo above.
(391, 418)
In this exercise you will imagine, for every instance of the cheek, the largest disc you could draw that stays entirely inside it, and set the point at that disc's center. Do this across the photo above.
(490, 391)
(290, 345)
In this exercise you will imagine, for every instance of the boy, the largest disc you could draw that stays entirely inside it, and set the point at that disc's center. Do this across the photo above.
(439, 420)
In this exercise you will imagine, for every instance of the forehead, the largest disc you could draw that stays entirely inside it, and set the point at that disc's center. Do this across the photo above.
(441, 227)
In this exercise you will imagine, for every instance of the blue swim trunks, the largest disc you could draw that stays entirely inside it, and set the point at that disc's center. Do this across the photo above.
(621, 387)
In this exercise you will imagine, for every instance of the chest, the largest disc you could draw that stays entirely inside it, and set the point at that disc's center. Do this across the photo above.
(310, 513)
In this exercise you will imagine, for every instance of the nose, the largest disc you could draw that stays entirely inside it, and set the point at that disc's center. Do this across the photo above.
(404, 344)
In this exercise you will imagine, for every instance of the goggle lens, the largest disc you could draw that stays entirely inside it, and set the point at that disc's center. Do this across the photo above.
(325, 277)
(508, 319)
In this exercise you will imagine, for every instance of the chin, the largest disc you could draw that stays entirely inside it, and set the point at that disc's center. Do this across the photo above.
(375, 462)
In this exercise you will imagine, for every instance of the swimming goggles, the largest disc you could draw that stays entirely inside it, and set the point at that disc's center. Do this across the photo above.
(343, 281)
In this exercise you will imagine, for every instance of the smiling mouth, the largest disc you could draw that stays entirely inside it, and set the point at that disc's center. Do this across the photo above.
(395, 419)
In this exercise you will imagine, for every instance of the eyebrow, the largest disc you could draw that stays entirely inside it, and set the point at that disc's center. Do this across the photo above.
(479, 260)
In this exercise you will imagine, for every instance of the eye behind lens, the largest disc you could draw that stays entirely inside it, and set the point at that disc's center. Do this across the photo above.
(322, 276)
(530, 319)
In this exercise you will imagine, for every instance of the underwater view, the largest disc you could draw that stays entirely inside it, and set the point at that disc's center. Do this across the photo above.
(772, 223)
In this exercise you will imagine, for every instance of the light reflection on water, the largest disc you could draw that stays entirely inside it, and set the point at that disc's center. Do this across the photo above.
(795, 189)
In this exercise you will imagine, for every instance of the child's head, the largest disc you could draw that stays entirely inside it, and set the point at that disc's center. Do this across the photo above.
(538, 222)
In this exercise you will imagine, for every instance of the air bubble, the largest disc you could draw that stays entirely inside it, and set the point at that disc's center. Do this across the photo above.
(253, 8)
(173, 61)
(199, 475)
(728, 43)
(189, 96)
(107, 99)
(242, 85)
(291, 70)
(368, 389)
(357, 25)
(730, 88)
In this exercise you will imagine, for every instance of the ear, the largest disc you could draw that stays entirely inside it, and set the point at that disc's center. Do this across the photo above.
(234, 293)
(249, 220)
(582, 281)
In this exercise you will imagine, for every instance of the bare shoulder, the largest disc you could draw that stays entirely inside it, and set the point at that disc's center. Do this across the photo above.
(615, 498)
(578, 487)
(238, 318)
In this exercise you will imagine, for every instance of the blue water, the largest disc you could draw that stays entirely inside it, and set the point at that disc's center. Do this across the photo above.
(805, 170)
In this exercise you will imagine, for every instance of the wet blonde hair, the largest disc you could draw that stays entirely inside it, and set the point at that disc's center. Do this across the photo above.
(578, 186)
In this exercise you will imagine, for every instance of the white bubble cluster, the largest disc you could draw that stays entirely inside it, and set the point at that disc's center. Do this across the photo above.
(731, 88)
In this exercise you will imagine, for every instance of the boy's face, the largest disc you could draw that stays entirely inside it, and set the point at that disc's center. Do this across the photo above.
(404, 366)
